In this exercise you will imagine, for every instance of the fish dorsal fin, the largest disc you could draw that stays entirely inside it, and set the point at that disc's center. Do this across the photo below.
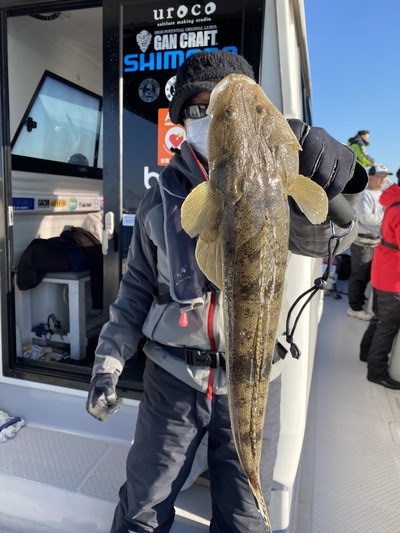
(209, 258)
(311, 199)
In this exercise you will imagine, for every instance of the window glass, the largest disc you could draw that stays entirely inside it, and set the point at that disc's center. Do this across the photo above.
(62, 124)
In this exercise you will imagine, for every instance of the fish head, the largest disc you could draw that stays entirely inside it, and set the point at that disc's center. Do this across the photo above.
(227, 107)
(244, 121)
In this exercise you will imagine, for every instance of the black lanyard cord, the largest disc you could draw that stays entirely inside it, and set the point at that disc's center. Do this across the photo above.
(319, 283)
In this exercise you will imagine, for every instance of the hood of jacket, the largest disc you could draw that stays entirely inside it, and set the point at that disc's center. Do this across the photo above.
(390, 195)
(358, 140)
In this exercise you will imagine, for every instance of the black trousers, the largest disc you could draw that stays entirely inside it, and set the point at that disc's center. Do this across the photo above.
(361, 260)
(369, 333)
(173, 417)
(378, 338)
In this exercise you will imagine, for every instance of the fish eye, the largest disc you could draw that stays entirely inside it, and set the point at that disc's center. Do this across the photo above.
(230, 112)
(260, 109)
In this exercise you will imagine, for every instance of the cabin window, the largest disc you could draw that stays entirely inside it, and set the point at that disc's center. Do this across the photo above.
(61, 128)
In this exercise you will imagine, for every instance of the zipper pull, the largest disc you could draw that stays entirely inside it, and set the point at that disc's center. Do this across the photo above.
(183, 320)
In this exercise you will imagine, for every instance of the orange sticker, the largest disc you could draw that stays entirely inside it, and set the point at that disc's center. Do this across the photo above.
(169, 136)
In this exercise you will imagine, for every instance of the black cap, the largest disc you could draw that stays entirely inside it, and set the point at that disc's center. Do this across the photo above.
(201, 72)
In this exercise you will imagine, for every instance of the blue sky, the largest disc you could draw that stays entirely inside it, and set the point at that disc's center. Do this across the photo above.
(354, 52)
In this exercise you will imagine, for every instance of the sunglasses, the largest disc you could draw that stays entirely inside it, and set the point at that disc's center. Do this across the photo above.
(195, 111)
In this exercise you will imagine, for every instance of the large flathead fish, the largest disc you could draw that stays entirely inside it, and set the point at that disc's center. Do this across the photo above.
(242, 218)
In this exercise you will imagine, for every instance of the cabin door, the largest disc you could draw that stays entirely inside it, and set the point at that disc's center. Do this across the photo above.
(51, 67)
(123, 54)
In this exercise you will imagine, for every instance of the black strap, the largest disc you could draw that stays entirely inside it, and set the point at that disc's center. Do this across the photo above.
(368, 236)
(390, 245)
(195, 356)
(162, 295)
(213, 359)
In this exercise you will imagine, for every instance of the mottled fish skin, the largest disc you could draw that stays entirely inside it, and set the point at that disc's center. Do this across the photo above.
(242, 216)
(255, 236)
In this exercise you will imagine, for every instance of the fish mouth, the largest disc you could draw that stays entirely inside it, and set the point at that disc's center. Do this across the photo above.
(232, 78)
(219, 88)
(223, 84)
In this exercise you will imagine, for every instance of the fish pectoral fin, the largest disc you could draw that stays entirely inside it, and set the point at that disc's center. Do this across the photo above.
(311, 199)
(199, 207)
(209, 259)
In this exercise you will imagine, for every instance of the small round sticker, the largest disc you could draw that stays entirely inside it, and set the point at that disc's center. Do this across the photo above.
(149, 90)
(174, 137)
(170, 88)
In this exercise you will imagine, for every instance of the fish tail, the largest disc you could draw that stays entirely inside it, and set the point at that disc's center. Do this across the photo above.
(256, 490)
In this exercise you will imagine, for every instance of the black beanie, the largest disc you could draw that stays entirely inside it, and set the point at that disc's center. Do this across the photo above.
(201, 72)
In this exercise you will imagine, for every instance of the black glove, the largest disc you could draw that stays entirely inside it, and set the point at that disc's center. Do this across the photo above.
(102, 397)
(328, 162)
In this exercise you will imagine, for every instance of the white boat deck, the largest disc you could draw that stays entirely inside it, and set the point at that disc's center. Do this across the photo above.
(54, 480)
(349, 477)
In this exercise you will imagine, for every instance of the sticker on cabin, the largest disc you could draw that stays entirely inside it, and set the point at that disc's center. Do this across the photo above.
(98, 203)
(170, 88)
(23, 204)
(149, 90)
(170, 137)
(43, 203)
(85, 204)
(128, 219)
(143, 39)
(59, 202)
(72, 203)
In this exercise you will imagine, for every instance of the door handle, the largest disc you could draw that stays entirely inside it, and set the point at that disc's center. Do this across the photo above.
(108, 231)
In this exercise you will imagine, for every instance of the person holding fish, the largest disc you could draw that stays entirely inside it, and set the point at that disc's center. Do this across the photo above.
(204, 285)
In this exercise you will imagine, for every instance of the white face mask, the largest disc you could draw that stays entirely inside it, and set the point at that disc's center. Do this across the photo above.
(197, 134)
